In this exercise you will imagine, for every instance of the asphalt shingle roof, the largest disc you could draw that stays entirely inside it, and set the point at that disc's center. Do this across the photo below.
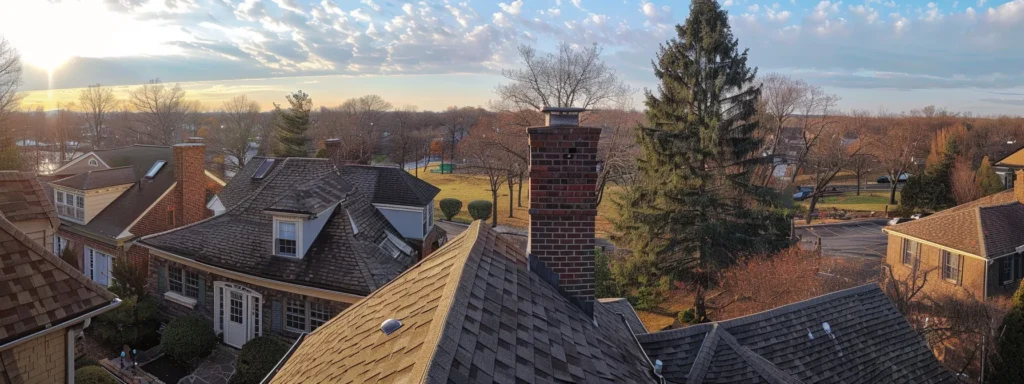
(22, 198)
(241, 238)
(389, 185)
(622, 306)
(872, 343)
(117, 216)
(99, 178)
(987, 227)
(37, 289)
(471, 313)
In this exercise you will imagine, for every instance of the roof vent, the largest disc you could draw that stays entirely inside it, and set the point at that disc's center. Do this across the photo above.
(658, 366)
(810, 335)
(389, 326)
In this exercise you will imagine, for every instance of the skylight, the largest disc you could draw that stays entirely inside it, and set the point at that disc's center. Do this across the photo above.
(156, 168)
(261, 172)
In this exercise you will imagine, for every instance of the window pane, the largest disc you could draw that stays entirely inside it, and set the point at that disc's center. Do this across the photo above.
(174, 279)
(192, 284)
(286, 231)
(295, 314)
(286, 247)
(60, 197)
(318, 315)
(80, 201)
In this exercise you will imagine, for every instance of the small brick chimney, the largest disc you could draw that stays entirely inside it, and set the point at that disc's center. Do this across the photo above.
(563, 202)
(333, 149)
(190, 174)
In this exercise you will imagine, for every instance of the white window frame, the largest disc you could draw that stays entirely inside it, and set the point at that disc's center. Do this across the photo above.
(69, 211)
(59, 244)
(299, 252)
(93, 163)
(949, 272)
(90, 266)
(428, 220)
(915, 253)
(182, 280)
(390, 248)
(310, 315)
(220, 289)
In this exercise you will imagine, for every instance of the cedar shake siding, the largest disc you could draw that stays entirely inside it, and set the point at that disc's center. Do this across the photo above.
(42, 360)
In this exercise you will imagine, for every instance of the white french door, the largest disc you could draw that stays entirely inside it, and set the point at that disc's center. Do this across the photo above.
(98, 266)
(237, 313)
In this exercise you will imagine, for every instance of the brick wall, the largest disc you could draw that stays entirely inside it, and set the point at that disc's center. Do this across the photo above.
(563, 197)
(973, 280)
(205, 308)
(39, 361)
(190, 173)
(79, 242)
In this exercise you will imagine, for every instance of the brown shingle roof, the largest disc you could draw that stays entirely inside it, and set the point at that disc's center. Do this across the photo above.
(985, 227)
(99, 179)
(471, 313)
(37, 289)
(22, 198)
(870, 342)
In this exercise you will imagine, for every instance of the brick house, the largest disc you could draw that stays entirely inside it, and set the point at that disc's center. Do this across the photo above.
(44, 302)
(974, 247)
(295, 245)
(107, 198)
(481, 310)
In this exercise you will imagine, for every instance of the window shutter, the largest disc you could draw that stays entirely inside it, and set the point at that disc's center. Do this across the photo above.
(161, 279)
(90, 264)
(202, 288)
(276, 316)
(960, 262)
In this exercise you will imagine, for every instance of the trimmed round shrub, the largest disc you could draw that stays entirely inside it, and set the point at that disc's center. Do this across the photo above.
(450, 207)
(93, 374)
(188, 340)
(480, 209)
(257, 358)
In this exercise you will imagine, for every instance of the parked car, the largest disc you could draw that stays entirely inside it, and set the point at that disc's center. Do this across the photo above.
(897, 220)
(919, 215)
(800, 195)
(902, 179)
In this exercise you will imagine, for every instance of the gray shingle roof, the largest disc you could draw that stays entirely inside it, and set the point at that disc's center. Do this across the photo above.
(622, 306)
(873, 344)
(126, 208)
(471, 313)
(101, 178)
(389, 185)
(314, 196)
(241, 238)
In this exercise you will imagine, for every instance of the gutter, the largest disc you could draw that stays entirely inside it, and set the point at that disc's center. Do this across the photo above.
(67, 323)
(280, 363)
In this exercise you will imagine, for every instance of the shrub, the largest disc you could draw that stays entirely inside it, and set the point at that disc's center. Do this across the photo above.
(129, 279)
(450, 207)
(69, 256)
(188, 340)
(480, 209)
(257, 358)
(85, 362)
(133, 323)
(93, 374)
(638, 279)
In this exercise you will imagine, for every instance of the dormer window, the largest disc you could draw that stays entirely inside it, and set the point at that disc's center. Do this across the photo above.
(93, 163)
(70, 205)
(288, 237)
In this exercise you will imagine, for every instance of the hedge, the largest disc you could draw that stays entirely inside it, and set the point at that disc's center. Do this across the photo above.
(450, 207)
(188, 340)
(257, 358)
(93, 374)
(480, 209)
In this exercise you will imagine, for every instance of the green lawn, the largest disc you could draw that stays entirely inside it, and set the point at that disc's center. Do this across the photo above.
(874, 201)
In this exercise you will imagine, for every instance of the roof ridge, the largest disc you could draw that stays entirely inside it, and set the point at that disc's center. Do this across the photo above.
(447, 299)
(766, 369)
(799, 305)
(702, 361)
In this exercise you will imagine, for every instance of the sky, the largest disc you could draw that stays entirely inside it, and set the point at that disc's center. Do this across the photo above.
(891, 55)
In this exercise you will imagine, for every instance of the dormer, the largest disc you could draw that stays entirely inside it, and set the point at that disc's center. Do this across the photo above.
(81, 197)
(300, 215)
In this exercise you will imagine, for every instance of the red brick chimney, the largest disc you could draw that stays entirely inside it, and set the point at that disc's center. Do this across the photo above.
(190, 174)
(333, 149)
(563, 202)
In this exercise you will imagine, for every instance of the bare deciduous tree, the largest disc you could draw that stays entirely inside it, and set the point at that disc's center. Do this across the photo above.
(403, 135)
(357, 122)
(788, 103)
(961, 179)
(97, 102)
(485, 159)
(10, 79)
(161, 112)
(897, 144)
(824, 161)
(568, 78)
(240, 129)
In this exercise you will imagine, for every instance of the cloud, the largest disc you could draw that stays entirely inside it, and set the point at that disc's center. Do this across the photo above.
(513, 9)
(781, 17)
(824, 9)
(1008, 13)
(753, 8)
(655, 14)
(577, 3)
(728, 3)
(869, 14)
(1013, 102)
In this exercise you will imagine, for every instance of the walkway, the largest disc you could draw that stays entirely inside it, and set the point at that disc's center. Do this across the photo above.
(216, 369)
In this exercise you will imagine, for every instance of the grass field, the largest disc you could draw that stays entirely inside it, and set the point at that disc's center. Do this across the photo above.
(874, 201)
(472, 187)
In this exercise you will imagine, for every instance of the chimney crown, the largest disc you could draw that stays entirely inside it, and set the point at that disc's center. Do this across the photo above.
(561, 116)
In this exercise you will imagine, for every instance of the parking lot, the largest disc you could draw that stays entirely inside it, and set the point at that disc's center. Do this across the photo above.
(854, 239)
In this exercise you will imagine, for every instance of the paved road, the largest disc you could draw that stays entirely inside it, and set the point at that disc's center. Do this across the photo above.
(854, 239)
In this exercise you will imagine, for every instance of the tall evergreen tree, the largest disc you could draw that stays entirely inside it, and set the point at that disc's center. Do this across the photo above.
(694, 209)
(987, 179)
(291, 126)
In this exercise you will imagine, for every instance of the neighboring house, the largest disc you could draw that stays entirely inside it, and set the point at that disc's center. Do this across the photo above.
(24, 203)
(974, 246)
(296, 244)
(108, 198)
(44, 302)
(480, 310)
(405, 200)
(1009, 165)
